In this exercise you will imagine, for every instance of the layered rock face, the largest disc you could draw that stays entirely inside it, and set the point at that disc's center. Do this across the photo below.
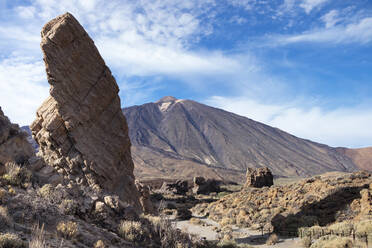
(259, 178)
(80, 127)
(14, 146)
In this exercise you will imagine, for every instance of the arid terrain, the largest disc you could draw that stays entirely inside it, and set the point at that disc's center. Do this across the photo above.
(169, 174)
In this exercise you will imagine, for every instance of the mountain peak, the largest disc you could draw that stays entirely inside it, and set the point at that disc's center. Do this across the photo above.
(167, 99)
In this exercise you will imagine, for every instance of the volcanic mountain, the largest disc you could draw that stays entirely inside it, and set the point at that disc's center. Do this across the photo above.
(175, 138)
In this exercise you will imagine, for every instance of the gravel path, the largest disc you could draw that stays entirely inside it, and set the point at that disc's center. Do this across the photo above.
(245, 235)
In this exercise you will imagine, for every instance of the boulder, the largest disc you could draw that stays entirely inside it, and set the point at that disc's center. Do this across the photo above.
(14, 146)
(80, 128)
(205, 186)
(183, 214)
(180, 187)
(259, 178)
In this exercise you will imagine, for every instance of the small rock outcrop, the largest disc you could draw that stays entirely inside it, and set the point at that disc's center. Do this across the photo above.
(145, 198)
(14, 146)
(180, 187)
(259, 178)
(80, 128)
(205, 186)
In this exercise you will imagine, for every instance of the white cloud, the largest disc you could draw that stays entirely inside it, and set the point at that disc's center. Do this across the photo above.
(348, 127)
(358, 32)
(23, 88)
(246, 4)
(136, 38)
(331, 18)
(309, 5)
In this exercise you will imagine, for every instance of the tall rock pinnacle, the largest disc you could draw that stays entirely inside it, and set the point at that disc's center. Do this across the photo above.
(80, 127)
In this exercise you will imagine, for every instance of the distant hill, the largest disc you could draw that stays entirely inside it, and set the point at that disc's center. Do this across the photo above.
(361, 157)
(183, 138)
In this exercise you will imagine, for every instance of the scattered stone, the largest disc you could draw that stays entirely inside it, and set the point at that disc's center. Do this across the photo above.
(258, 178)
(80, 127)
(203, 186)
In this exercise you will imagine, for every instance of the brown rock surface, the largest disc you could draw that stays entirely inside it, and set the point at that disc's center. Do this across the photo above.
(259, 178)
(361, 157)
(80, 128)
(145, 200)
(14, 146)
(205, 186)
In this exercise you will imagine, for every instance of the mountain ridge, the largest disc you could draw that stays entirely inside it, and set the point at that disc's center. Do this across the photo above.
(177, 130)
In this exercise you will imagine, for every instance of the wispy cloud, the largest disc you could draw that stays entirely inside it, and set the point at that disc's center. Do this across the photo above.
(357, 32)
(22, 84)
(343, 126)
(309, 5)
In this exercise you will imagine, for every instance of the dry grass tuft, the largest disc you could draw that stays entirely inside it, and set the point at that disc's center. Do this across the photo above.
(16, 175)
(38, 238)
(364, 227)
(5, 219)
(132, 231)
(100, 244)
(68, 229)
(306, 242)
(331, 241)
(10, 240)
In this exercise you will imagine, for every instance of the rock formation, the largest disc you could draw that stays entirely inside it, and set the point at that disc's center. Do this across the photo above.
(259, 178)
(203, 186)
(14, 146)
(145, 200)
(80, 128)
(180, 187)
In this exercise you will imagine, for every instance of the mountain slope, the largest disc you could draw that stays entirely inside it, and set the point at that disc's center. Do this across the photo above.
(362, 157)
(181, 138)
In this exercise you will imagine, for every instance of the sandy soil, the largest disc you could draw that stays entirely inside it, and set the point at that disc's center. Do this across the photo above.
(244, 235)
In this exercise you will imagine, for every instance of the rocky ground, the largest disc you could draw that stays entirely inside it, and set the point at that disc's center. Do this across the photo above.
(79, 189)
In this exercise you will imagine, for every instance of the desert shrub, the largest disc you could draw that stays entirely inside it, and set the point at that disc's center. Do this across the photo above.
(47, 191)
(227, 244)
(3, 194)
(68, 207)
(313, 232)
(342, 228)
(100, 244)
(273, 239)
(4, 217)
(132, 231)
(163, 232)
(10, 240)
(364, 227)
(332, 241)
(16, 175)
(306, 242)
(67, 229)
(38, 238)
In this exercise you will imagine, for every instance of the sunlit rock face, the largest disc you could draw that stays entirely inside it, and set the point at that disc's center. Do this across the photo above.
(80, 127)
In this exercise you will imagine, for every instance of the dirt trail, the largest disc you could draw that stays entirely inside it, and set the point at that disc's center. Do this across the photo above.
(243, 235)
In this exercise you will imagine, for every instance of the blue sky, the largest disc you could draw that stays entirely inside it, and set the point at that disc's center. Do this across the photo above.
(304, 66)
